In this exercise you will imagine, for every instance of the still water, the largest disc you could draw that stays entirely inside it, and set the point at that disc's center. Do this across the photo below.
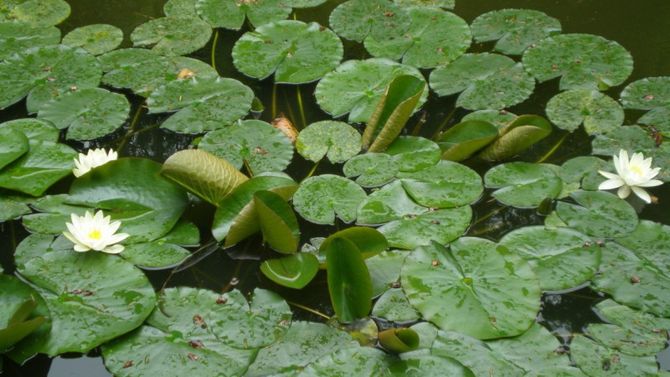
(642, 27)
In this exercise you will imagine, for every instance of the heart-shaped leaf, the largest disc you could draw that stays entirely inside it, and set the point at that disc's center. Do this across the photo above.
(442, 226)
(524, 184)
(598, 213)
(414, 153)
(651, 94)
(293, 271)
(445, 185)
(380, 19)
(349, 281)
(319, 199)
(598, 112)
(177, 35)
(394, 306)
(335, 140)
(230, 14)
(371, 169)
(16, 37)
(391, 202)
(36, 12)
(96, 39)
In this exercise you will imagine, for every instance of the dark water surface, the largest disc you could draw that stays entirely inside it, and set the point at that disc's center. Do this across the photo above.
(642, 27)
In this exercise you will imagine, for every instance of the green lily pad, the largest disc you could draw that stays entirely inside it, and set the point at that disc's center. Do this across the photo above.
(44, 73)
(54, 213)
(384, 270)
(349, 282)
(651, 94)
(148, 208)
(35, 12)
(562, 258)
(13, 144)
(230, 14)
(293, 271)
(44, 164)
(514, 29)
(352, 361)
(523, 184)
(200, 332)
(629, 331)
(16, 37)
(446, 4)
(371, 169)
(13, 208)
(423, 363)
(598, 214)
(306, 3)
(598, 112)
(391, 202)
(479, 75)
(320, 199)
(263, 147)
(517, 136)
(180, 8)
(442, 226)
(335, 140)
(203, 174)
(582, 172)
(96, 39)
(462, 140)
(445, 185)
(179, 35)
(92, 298)
(633, 281)
(499, 118)
(368, 240)
(582, 61)
(434, 38)
(356, 86)
(88, 113)
(476, 288)
(184, 234)
(631, 138)
(394, 306)
(36, 130)
(399, 340)
(278, 222)
(202, 104)
(597, 360)
(23, 312)
(380, 19)
(37, 245)
(650, 241)
(154, 255)
(296, 52)
(414, 153)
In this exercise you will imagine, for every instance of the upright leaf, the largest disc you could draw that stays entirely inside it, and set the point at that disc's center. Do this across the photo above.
(516, 137)
(278, 222)
(349, 281)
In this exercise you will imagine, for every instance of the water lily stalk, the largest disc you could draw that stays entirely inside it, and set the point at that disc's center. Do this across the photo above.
(214, 43)
(312, 170)
(131, 129)
(274, 100)
(301, 107)
(553, 149)
(308, 309)
(443, 125)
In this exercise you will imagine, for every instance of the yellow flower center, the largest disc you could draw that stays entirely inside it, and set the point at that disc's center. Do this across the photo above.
(95, 234)
(636, 169)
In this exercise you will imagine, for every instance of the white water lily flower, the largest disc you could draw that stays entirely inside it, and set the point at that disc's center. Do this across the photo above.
(632, 175)
(91, 232)
(94, 158)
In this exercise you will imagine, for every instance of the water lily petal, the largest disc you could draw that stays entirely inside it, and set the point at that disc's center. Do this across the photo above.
(642, 194)
(609, 175)
(611, 184)
(623, 192)
(114, 249)
(651, 183)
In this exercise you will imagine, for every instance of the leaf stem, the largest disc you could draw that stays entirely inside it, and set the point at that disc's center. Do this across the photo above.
(553, 149)
(274, 101)
(214, 43)
(313, 169)
(444, 123)
(131, 128)
(308, 309)
(300, 107)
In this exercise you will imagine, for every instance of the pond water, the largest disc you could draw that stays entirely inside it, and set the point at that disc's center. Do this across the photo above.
(642, 27)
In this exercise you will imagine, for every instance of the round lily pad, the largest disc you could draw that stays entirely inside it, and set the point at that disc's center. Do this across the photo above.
(180, 8)
(179, 35)
(356, 86)
(434, 37)
(514, 29)
(446, 4)
(384, 270)
(88, 113)
(650, 241)
(445, 185)
(371, 169)
(96, 39)
(337, 141)
(44, 73)
(582, 172)
(413, 153)
(319, 199)
(16, 37)
(154, 255)
(263, 147)
(562, 258)
(351, 361)
(230, 14)
(651, 94)
(631, 138)
(380, 19)
(306, 3)
(394, 306)
(442, 226)
(479, 75)
(598, 214)
(598, 112)
(35, 12)
(389, 203)
(13, 144)
(597, 360)
(582, 61)
(104, 292)
(477, 288)
(36, 130)
(14, 208)
(296, 52)
(524, 184)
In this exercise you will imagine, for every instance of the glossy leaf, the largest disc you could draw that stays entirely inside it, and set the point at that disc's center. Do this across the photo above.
(650, 241)
(596, 360)
(368, 240)
(598, 213)
(178, 35)
(230, 14)
(278, 222)
(516, 137)
(385, 270)
(292, 271)
(598, 112)
(335, 140)
(371, 169)
(352, 361)
(320, 199)
(96, 39)
(499, 118)
(462, 140)
(349, 281)
(36, 130)
(582, 172)
(358, 19)
(13, 144)
(445, 185)
(155, 255)
(23, 312)
(399, 340)
(414, 153)
(16, 37)
(523, 184)
(36, 12)
(442, 226)
(391, 202)
(13, 208)
(394, 306)
(653, 94)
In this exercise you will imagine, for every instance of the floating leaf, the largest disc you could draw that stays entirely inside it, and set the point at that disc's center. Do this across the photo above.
(650, 241)
(37, 245)
(499, 118)
(596, 360)
(392, 112)
(380, 19)
(523, 184)
(445, 185)
(54, 213)
(44, 164)
(371, 169)
(202, 104)
(16, 37)
(349, 281)
(562, 258)
(479, 75)
(44, 73)
(598, 112)
(278, 222)
(13, 208)
(476, 288)
(36, 130)
(442, 226)
(35, 12)
(306, 3)
(179, 35)
(414, 153)
(200, 332)
(88, 113)
(254, 142)
(352, 361)
(462, 140)
(631, 138)
(92, 298)
(148, 208)
(336, 140)
(385, 270)
(293, 271)
(319, 199)
(516, 137)
(180, 8)
(184, 234)
(598, 213)
(651, 94)
(394, 306)
(368, 240)
(13, 144)
(390, 203)
(582, 172)
(514, 29)
(230, 14)
(96, 39)
(434, 37)
(203, 174)
(583, 61)
(447, 4)
(23, 312)
(356, 86)
(155, 255)
(296, 52)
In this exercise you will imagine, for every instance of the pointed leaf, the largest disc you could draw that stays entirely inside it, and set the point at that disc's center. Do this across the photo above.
(462, 140)
(293, 271)
(349, 281)
(516, 137)
(278, 222)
